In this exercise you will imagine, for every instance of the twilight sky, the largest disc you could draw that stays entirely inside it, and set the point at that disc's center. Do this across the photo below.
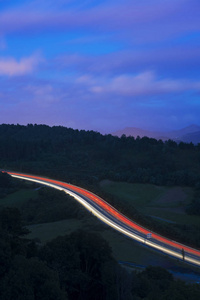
(100, 64)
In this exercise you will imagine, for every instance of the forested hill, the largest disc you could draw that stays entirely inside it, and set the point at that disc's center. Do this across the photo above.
(88, 156)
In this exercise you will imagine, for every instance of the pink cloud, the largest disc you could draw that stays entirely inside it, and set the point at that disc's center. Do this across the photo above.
(11, 67)
(145, 83)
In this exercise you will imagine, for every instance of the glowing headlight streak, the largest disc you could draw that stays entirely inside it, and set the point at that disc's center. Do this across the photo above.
(103, 217)
(65, 187)
(88, 207)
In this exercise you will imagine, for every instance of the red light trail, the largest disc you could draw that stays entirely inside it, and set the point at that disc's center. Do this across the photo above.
(112, 211)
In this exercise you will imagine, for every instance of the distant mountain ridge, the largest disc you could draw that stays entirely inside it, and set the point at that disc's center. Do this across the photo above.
(188, 134)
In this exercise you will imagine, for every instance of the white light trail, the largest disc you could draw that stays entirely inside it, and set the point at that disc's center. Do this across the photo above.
(111, 223)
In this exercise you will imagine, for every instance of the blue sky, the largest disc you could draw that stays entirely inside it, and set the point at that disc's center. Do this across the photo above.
(100, 65)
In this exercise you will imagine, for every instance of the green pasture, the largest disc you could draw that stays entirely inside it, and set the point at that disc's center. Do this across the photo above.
(168, 215)
(123, 248)
(166, 203)
(48, 231)
(17, 198)
(139, 195)
(149, 199)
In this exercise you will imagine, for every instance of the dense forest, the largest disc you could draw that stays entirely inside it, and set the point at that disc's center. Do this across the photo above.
(73, 267)
(88, 156)
(76, 266)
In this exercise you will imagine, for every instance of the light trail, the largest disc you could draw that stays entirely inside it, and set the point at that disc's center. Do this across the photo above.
(109, 215)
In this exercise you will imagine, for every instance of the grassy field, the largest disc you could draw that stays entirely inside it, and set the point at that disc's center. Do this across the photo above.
(48, 231)
(123, 248)
(166, 203)
(18, 198)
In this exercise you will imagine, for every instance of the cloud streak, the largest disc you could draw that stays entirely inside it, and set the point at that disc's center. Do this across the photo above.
(142, 84)
(142, 20)
(170, 59)
(11, 67)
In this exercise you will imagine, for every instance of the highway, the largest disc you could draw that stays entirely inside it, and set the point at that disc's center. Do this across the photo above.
(109, 215)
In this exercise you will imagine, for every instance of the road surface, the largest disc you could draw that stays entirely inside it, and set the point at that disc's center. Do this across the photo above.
(109, 215)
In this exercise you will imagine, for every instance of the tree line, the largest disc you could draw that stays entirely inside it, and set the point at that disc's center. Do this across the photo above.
(88, 156)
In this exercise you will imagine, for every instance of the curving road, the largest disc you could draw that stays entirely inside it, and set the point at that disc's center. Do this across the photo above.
(113, 218)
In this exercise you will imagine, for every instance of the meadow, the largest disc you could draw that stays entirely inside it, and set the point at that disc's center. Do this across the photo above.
(165, 203)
